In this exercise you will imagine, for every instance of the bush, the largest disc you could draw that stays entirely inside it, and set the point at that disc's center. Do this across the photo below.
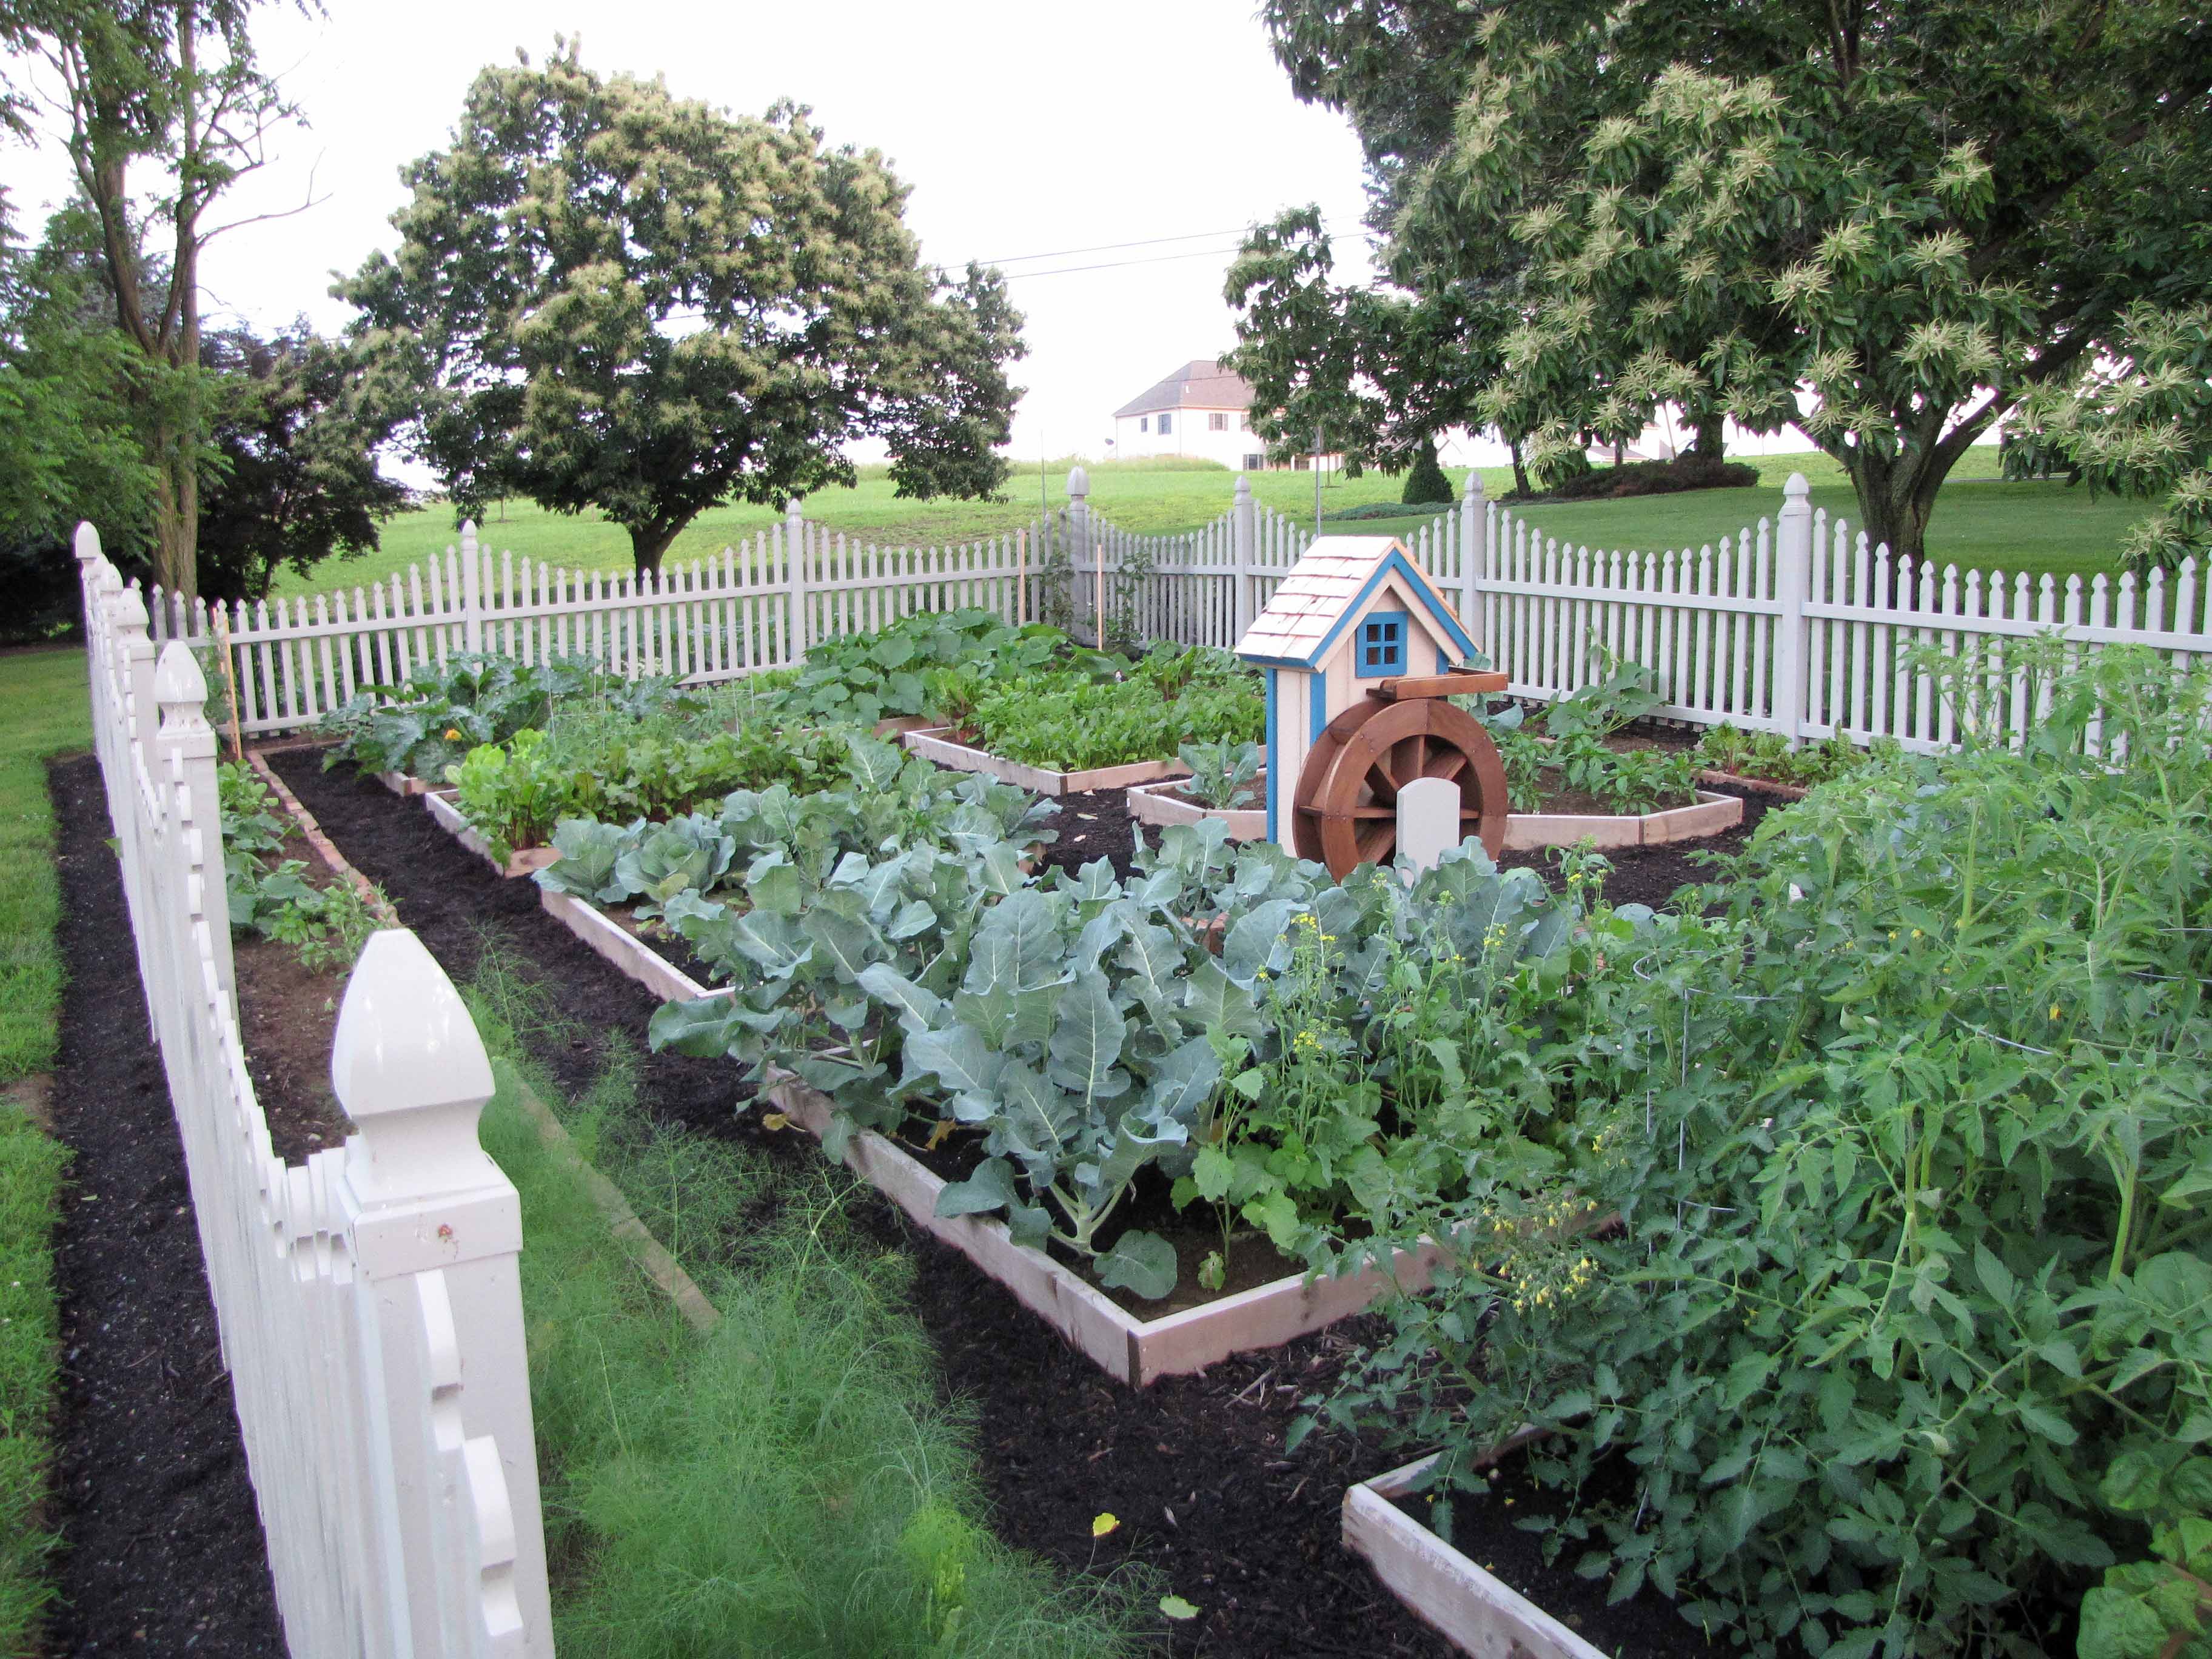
(1426, 484)
(1601, 484)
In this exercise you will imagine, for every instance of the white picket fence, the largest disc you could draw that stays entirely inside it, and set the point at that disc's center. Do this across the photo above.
(1795, 624)
(367, 1301)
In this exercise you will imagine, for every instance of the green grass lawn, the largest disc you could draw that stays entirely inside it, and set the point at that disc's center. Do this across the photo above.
(1979, 519)
(43, 692)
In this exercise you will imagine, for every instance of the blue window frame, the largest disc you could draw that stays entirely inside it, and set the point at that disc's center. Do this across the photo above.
(1380, 648)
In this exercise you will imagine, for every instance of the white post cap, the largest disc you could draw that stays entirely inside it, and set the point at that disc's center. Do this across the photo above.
(1078, 482)
(410, 1069)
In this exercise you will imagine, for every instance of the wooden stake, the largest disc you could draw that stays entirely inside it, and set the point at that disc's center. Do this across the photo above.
(1021, 577)
(229, 678)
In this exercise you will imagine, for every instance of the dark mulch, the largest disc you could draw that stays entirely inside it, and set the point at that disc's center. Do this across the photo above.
(1095, 825)
(286, 1018)
(162, 1547)
(1254, 1536)
(454, 903)
(1652, 875)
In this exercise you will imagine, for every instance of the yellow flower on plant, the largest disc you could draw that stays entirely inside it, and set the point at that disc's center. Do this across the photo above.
(453, 734)
(1105, 1523)
(2054, 1011)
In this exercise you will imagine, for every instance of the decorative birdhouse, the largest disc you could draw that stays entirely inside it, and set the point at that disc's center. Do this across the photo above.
(1358, 648)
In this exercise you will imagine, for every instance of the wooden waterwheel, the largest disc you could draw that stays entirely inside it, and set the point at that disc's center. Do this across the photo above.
(1346, 807)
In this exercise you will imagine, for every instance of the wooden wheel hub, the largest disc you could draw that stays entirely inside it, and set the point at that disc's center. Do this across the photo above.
(1346, 811)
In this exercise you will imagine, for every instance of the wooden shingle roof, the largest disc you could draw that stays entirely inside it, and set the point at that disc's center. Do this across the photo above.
(1324, 588)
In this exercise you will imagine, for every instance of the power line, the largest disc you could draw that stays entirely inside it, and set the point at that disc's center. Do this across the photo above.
(1116, 265)
(1114, 247)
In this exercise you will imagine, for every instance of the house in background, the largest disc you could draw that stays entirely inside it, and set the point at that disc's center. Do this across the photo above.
(1203, 411)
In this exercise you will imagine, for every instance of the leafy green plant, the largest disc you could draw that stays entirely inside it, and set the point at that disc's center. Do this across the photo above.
(1221, 772)
(1768, 755)
(1073, 727)
(325, 926)
(2162, 1607)
(1909, 1145)
(929, 664)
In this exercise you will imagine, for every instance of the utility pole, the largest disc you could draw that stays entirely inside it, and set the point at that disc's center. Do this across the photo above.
(1317, 435)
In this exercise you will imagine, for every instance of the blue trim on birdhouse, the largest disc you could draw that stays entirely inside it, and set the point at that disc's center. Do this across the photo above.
(1443, 660)
(1439, 613)
(1320, 702)
(1378, 650)
(1274, 766)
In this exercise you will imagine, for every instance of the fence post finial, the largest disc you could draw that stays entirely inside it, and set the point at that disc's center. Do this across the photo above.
(1078, 523)
(180, 690)
(86, 541)
(1793, 579)
(1245, 532)
(407, 1065)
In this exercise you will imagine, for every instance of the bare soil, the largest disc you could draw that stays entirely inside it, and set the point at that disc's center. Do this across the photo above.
(163, 1551)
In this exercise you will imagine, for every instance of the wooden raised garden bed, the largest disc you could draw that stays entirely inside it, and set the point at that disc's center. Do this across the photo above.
(1129, 1348)
(402, 785)
(942, 744)
(1473, 1609)
(1162, 803)
(525, 861)
(1707, 815)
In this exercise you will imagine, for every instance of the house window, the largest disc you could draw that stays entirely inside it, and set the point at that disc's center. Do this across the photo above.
(1144, 423)
(1217, 423)
(1382, 648)
(1254, 463)
(1164, 426)
(1243, 422)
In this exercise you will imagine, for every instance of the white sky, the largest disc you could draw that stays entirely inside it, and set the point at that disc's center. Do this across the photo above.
(1023, 129)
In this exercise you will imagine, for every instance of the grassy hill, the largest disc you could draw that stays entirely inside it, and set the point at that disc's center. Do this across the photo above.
(1979, 519)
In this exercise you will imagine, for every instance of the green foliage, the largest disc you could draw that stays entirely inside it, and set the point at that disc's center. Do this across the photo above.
(2159, 1609)
(606, 296)
(793, 1484)
(2137, 421)
(1897, 212)
(1907, 1144)
(325, 926)
(1221, 772)
(1425, 483)
(1768, 755)
(33, 1168)
(443, 710)
(933, 662)
(1068, 721)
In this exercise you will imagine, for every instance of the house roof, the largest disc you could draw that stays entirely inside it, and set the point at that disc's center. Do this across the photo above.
(1202, 383)
(1325, 588)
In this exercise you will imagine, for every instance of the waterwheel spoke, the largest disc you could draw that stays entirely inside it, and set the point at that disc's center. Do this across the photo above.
(1448, 765)
(1380, 780)
(1376, 843)
(1409, 759)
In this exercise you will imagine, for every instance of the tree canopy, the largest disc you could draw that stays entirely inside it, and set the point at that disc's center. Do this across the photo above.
(608, 297)
(162, 106)
(1907, 217)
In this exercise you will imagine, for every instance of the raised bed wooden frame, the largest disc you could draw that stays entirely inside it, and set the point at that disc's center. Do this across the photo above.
(1709, 815)
(526, 861)
(1154, 803)
(941, 744)
(1472, 1608)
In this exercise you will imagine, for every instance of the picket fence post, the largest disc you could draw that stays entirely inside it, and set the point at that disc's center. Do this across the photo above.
(794, 552)
(1473, 555)
(436, 1236)
(471, 591)
(1246, 537)
(184, 750)
(1793, 579)
(1078, 520)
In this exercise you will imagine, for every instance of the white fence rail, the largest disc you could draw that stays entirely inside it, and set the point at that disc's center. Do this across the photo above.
(367, 1301)
(1794, 624)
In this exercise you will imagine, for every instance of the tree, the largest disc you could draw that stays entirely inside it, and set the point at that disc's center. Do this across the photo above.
(2137, 423)
(608, 297)
(1381, 371)
(68, 443)
(1909, 215)
(293, 477)
(173, 83)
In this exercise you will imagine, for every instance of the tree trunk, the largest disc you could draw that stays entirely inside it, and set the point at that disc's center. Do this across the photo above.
(1896, 496)
(176, 515)
(1520, 469)
(648, 543)
(1707, 430)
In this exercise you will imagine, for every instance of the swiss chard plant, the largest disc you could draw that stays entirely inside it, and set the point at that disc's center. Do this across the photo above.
(1222, 773)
